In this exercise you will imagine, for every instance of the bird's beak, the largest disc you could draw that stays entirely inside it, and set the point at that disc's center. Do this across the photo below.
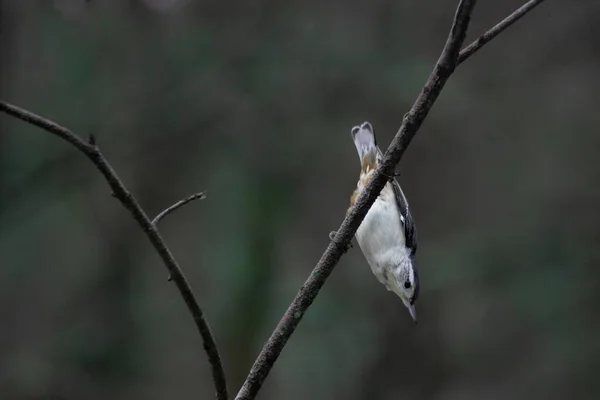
(413, 312)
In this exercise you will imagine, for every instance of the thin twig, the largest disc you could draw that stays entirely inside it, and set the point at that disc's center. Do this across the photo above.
(180, 203)
(91, 150)
(497, 29)
(410, 124)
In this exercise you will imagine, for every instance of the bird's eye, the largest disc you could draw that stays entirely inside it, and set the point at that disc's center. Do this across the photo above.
(407, 284)
(355, 130)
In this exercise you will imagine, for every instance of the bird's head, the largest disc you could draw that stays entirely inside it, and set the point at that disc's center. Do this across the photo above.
(406, 286)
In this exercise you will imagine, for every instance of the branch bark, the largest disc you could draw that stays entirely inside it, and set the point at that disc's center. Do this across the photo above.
(91, 150)
(497, 29)
(336, 248)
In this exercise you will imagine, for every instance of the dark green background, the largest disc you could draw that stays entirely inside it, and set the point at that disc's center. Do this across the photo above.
(253, 101)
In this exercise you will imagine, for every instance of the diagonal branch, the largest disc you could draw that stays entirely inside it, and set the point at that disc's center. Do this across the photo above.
(497, 29)
(91, 150)
(410, 125)
(180, 203)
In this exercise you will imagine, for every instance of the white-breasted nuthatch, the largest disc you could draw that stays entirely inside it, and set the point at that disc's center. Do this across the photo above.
(387, 235)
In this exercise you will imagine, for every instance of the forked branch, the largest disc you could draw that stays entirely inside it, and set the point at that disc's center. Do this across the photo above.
(497, 29)
(448, 61)
(445, 66)
(91, 150)
(336, 248)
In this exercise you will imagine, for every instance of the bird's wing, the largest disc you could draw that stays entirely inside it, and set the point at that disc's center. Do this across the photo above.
(410, 232)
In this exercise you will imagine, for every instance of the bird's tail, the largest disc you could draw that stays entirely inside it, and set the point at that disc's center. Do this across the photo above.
(366, 145)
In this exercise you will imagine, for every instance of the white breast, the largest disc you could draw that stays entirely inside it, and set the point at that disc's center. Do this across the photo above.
(380, 235)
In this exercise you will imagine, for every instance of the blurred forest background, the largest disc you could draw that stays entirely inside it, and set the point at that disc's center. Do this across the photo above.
(253, 102)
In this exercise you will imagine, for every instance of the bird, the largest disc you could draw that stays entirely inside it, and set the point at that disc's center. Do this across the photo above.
(387, 235)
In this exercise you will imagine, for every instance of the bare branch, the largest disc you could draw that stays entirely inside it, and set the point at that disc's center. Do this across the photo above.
(412, 121)
(180, 203)
(497, 29)
(91, 150)
(410, 124)
(46, 125)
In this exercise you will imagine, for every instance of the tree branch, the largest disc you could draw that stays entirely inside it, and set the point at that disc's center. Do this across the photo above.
(91, 150)
(180, 203)
(497, 29)
(412, 121)
(410, 125)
